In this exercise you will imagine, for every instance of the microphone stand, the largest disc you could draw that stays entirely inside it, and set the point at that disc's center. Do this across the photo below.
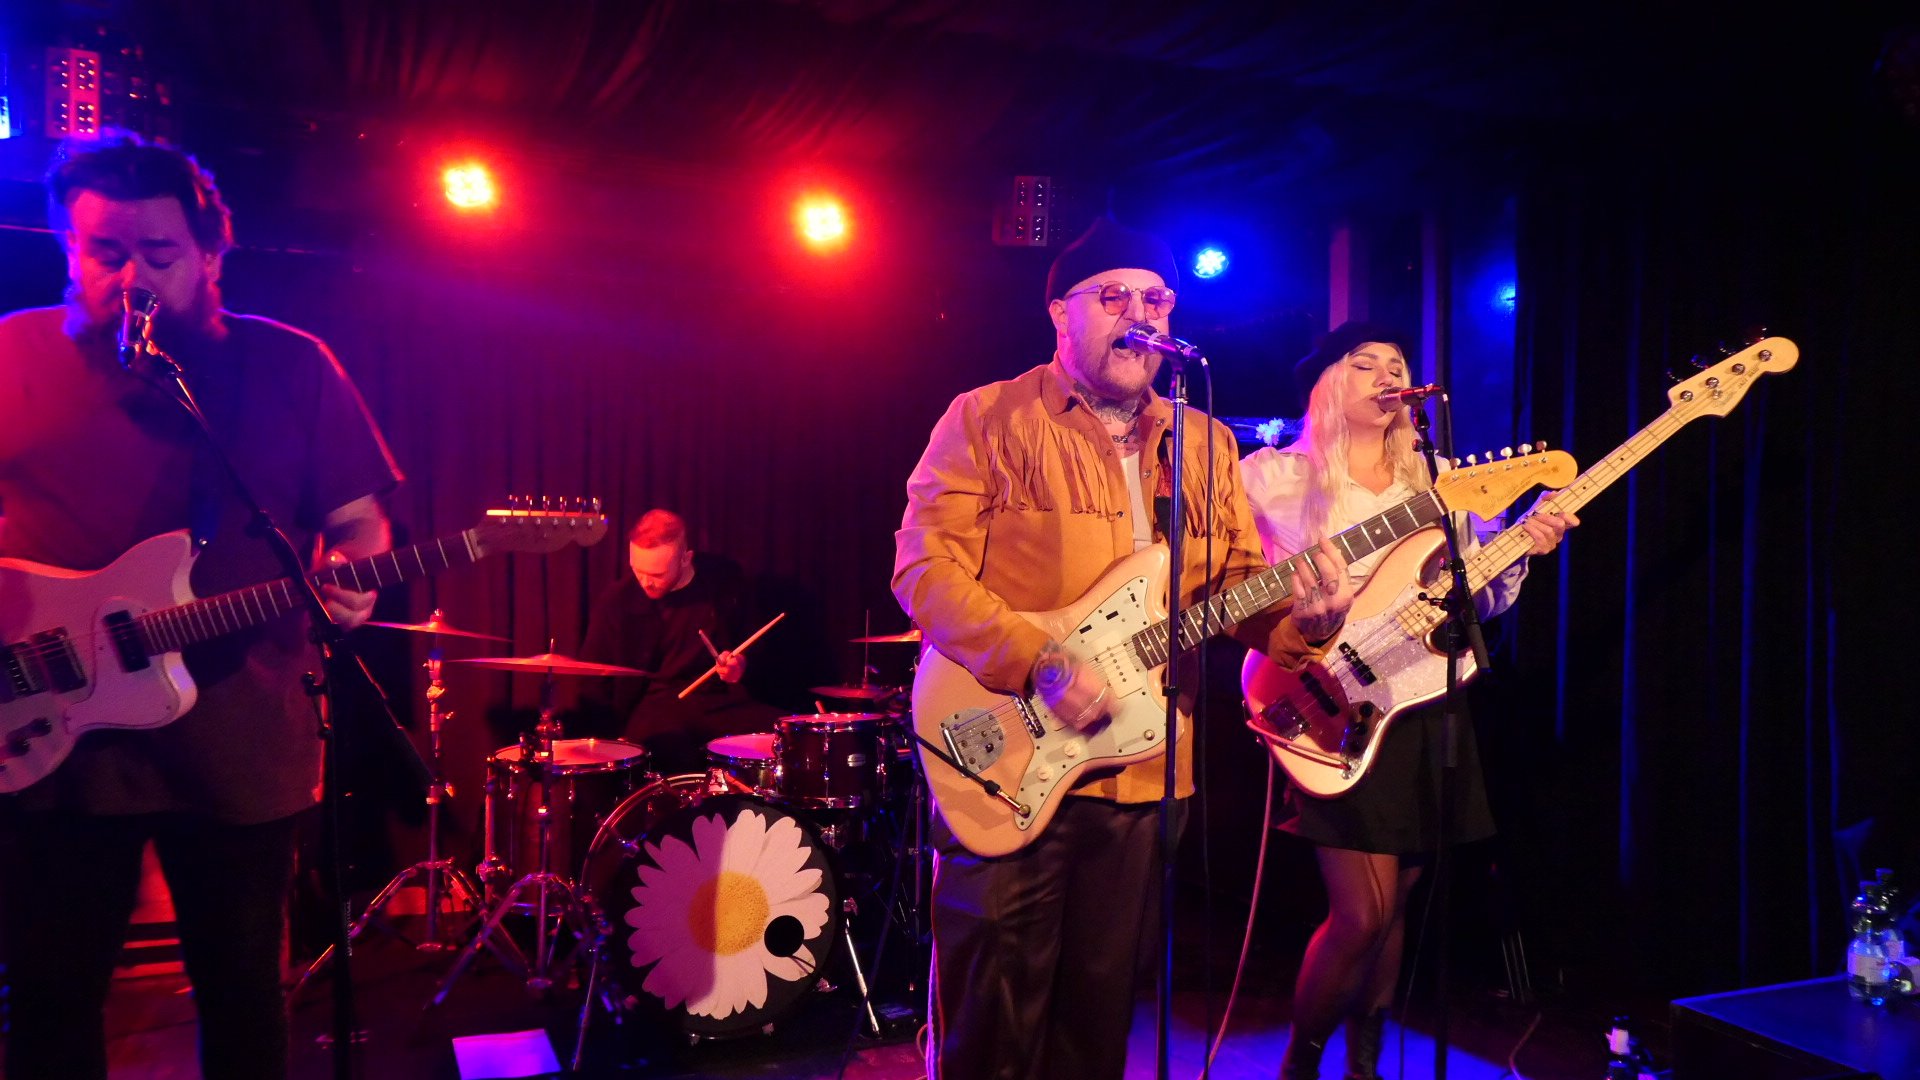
(1463, 625)
(328, 637)
(1176, 534)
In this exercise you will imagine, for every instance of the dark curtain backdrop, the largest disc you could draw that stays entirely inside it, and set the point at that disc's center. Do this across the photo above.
(1704, 737)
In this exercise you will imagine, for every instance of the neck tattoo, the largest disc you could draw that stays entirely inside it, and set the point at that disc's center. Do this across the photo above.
(1112, 412)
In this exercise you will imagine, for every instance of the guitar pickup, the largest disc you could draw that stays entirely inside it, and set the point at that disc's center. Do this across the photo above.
(128, 642)
(1361, 671)
(1320, 695)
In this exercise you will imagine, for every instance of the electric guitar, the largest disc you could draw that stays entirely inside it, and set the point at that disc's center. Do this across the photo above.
(1121, 625)
(1325, 723)
(101, 649)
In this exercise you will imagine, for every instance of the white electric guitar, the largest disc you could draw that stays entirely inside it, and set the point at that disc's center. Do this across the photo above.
(1325, 722)
(101, 649)
(1120, 624)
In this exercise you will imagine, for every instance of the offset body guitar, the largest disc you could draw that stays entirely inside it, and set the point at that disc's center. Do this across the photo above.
(101, 649)
(1325, 723)
(1120, 624)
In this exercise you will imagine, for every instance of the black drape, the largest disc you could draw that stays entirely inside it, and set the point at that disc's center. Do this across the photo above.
(1705, 687)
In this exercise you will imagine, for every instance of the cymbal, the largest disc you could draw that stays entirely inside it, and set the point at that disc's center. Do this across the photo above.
(865, 693)
(548, 663)
(435, 626)
(910, 636)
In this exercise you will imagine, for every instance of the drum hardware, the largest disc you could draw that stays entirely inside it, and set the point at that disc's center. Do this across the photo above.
(906, 637)
(458, 887)
(555, 902)
(862, 692)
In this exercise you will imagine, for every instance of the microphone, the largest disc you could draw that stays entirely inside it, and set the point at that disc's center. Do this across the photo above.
(1142, 337)
(137, 307)
(1407, 395)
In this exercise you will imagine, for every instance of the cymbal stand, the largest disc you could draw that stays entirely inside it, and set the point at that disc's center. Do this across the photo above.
(554, 901)
(459, 887)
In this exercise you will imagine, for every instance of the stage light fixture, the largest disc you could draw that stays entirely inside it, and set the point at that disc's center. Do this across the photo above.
(1210, 263)
(822, 221)
(470, 186)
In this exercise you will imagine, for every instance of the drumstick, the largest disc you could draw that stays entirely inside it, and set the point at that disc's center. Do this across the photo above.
(708, 642)
(737, 650)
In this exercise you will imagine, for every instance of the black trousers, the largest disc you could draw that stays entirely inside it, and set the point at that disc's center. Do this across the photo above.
(1037, 954)
(68, 884)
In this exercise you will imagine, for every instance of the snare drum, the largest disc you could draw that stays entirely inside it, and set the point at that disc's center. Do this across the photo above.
(585, 781)
(834, 761)
(742, 765)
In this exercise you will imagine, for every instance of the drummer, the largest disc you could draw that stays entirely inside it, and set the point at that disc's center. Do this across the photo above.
(675, 613)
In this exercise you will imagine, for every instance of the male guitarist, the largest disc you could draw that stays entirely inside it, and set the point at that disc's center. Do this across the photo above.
(94, 459)
(1027, 491)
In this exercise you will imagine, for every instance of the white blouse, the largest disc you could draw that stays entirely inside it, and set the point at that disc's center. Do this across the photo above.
(1277, 484)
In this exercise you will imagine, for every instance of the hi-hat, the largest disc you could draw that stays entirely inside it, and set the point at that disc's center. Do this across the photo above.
(864, 693)
(910, 636)
(435, 625)
(548, 663)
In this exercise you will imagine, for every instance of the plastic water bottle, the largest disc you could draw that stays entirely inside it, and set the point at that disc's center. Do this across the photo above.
(1620, 1064)
(1867, 953)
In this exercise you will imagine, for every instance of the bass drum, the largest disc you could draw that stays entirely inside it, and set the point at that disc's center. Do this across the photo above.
(721, 908)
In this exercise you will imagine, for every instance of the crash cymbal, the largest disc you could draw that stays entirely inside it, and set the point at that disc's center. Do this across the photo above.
(864, 693)
(436, 625)
(548, 663)
(909, 636)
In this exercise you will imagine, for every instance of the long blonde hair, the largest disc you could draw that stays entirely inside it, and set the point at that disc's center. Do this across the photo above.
(1324, 440)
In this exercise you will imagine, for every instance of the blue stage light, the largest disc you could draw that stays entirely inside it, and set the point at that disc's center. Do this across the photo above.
(1504, 297)
(1210, 263)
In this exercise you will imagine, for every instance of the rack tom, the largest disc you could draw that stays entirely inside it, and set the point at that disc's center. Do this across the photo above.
(834, 761)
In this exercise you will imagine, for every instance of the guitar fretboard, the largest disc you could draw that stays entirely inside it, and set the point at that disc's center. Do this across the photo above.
(174, 628)
(1233, 606)
(1513, 543)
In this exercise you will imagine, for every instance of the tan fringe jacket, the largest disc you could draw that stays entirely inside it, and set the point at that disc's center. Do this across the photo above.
(1019, 504)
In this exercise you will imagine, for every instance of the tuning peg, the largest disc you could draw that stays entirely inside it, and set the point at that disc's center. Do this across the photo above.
(1526, 448)
(1456, 463)
(1472, 460)
(1506, 451)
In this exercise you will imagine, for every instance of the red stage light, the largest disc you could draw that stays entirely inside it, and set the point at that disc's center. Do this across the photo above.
(470, 187)
(822, 221)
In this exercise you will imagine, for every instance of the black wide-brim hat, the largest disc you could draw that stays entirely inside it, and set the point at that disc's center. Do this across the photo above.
(1335, 345)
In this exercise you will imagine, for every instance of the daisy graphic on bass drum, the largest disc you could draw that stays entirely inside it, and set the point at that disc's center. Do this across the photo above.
(721, 908)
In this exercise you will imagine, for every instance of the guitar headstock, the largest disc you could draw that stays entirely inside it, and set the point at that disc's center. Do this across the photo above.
(1719, 388)
(1485, 489)
(540, 525)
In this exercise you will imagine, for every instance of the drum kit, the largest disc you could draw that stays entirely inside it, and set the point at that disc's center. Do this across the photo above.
(711, 901)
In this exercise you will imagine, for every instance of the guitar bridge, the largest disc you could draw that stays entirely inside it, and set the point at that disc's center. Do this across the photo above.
(975, 741)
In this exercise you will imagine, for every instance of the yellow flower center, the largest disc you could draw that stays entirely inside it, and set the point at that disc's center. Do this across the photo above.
(728, 913)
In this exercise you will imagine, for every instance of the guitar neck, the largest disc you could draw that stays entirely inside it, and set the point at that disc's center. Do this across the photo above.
(1513, 543)
(1235, 605)
(174, 628)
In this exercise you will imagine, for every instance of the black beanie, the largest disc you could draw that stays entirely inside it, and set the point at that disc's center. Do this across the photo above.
(1334, 346)
(1109, 245)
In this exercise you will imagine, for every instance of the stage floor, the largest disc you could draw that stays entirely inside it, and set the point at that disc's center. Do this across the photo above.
(152, 1033)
